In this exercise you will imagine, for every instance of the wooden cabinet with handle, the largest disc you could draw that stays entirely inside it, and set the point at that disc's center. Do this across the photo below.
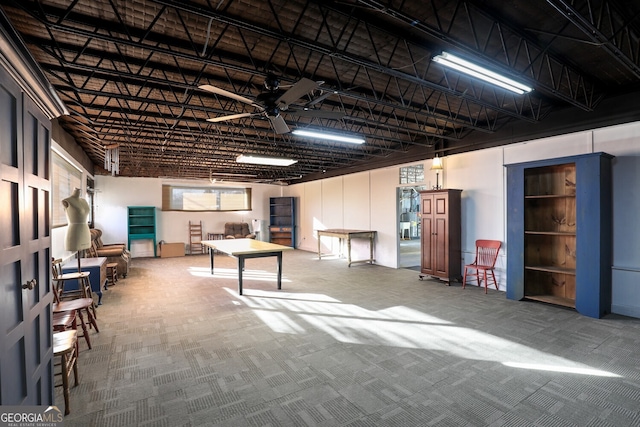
(440, 212)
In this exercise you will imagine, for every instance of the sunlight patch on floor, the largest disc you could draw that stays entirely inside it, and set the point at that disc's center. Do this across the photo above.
(399, 327)
(562, 369)
(279, 322)
(282, 295)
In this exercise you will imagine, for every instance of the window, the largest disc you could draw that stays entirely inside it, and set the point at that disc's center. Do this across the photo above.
(65, 178)
(412, 174)
(181, 198)
(90, 199)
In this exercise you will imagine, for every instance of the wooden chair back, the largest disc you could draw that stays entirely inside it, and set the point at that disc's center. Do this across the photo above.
(487, 252)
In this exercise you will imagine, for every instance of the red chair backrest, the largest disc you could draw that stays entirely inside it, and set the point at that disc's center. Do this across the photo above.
(487, 252)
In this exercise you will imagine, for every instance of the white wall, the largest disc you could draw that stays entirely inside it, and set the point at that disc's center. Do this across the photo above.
(360, 201)
(480, 176)
(342, 202)
(367, 200)
(115, 194)
(624, 142)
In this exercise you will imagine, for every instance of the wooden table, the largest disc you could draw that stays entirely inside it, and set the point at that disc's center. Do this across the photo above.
(347, 235)
(244, 249)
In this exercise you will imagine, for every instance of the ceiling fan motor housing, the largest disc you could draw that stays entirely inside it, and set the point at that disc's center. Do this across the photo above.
(271, 82)
(272, 111)
(269, 100)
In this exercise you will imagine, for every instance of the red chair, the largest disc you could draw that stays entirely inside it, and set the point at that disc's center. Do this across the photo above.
(486, 257)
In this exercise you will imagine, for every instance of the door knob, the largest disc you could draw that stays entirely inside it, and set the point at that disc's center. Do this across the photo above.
(30, 284)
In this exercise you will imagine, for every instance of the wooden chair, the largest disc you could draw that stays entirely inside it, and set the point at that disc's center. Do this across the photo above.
(112, 273)
(79, 306)
(485, 261)
(195, 238)
(82, 279)
(65, 321)
(66, 302)
(65, 347)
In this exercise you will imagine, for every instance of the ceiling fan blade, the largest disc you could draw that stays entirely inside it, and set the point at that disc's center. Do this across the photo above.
(319, 98)
(296, 92)
(278, 124)
(321, 114)
(218, 91)
(229, 117)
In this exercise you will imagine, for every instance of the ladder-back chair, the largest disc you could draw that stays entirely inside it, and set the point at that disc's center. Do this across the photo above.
(484, 264)
(195, 238)
(79, 302)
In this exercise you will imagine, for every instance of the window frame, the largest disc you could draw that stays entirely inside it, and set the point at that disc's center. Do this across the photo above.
(65, 178)
(237, 195)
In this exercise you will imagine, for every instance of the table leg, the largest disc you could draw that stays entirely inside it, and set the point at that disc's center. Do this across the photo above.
(349, 250)
(211, 260)
(319, 256)
(240, 269)
(279, 256)
(371, 248)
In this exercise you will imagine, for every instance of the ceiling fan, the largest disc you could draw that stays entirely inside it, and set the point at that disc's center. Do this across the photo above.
(272, 102)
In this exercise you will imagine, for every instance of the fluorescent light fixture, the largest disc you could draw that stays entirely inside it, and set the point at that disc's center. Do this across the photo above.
(329, 136)
(264, 160)
(246, 175)
(482, 73)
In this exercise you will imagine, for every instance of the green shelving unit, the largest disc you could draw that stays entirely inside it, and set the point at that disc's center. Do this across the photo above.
(142, 224)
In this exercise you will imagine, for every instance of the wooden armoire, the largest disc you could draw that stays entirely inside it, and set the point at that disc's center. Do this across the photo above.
(440, 218)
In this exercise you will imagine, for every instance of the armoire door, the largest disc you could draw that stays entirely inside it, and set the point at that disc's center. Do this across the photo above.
(26, 354)
(428, 228)
(440, 222)
(440, 251)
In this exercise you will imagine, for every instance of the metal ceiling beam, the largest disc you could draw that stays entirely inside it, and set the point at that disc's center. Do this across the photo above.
(373, 126)
(420, 111)
(551, 74)
(605, 25)
(114, 131)
(115, 40)
(331, 51)
(385, 107)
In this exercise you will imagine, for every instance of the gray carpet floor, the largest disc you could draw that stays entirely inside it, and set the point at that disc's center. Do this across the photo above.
(344, 346)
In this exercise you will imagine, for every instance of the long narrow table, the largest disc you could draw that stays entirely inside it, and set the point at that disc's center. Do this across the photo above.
(347, 235)
(243, 249)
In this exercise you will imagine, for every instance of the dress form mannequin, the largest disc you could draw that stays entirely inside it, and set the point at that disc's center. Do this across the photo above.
(77, 209)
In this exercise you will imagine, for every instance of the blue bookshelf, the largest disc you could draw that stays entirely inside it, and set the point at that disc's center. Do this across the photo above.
(282, 216)
(559, 228)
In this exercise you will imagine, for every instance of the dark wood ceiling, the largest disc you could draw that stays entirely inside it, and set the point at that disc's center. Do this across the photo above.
(129, 72)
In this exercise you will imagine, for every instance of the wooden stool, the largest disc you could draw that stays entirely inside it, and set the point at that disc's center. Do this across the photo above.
(112, 273)
(65, 347)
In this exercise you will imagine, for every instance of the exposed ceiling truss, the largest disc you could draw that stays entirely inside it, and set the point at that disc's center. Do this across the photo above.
(129, 72)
